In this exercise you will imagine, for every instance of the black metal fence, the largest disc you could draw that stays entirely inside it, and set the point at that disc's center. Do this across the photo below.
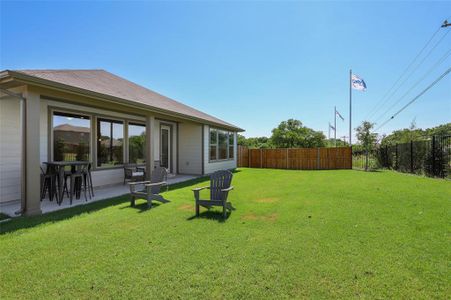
(430, 157)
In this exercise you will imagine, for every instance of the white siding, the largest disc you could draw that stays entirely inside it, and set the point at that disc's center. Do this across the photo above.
(210, 167)
(190, 148)
(10, 149)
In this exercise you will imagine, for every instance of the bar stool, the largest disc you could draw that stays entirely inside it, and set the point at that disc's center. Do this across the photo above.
(77, 182)
(48, 183)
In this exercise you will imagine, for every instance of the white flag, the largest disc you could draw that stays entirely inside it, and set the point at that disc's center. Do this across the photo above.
(358, 83)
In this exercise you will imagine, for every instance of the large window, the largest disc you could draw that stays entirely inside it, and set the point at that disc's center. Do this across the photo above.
(110, 143)
(221, 144)
(213, 144)
(71, 137)
(231, 144)
(136, 143)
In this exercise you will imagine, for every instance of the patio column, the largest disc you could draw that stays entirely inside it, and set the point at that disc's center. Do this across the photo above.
(150, 137)
(32, 153)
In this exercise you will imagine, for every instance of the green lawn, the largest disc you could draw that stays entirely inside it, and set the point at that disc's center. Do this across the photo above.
(301, 234)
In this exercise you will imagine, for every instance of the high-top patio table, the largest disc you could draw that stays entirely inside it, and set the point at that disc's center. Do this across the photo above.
(59, 167)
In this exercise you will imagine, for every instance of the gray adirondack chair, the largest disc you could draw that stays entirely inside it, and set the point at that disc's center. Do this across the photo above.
(220, 186)
(150, 190)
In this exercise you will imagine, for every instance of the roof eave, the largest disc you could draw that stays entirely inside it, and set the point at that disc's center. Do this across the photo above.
(28, 79)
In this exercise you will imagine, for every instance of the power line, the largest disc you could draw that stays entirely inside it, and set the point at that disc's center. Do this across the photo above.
(403, 73)
(411, 73)
(441, 60)
(414, 99)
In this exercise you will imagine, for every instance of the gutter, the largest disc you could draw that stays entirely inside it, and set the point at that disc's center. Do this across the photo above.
(27, 79)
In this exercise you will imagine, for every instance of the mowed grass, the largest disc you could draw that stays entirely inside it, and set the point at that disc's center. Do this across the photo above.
(294, 234)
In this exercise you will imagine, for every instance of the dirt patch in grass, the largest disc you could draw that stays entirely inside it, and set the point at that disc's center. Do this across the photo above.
(267, 200)
(249, 217)
(265, 218)
(270, 218)
(186, 207)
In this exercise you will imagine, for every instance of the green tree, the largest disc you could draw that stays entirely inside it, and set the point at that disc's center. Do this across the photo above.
(366, 138)
(414, 134)
(255, 142)
(339, 143)
(241, 140)
(292, 134)
(444, 129)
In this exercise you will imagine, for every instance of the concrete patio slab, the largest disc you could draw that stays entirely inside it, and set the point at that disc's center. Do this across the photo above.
(101, 193)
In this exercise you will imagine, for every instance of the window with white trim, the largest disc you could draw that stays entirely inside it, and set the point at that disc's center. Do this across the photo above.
(221, 144)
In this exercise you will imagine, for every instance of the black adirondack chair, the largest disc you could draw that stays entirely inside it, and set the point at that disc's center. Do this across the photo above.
(150, 190)
(220, 186)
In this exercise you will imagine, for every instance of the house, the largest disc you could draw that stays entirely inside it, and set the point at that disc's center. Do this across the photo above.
(54, 115)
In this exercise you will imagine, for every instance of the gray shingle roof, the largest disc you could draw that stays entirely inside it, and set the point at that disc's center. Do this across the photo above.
(103, 82)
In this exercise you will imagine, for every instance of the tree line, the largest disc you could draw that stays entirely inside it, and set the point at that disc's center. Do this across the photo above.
(293, 134)
(288, 134)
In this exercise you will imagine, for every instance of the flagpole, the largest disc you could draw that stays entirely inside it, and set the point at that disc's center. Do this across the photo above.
(335, 125)
(350, 107)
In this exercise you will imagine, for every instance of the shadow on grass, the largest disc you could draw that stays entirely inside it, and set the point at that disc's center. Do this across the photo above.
(24, 222)
(142, 205)
(211, 215)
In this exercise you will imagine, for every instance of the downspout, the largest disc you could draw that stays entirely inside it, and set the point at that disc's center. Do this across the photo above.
(23, 114)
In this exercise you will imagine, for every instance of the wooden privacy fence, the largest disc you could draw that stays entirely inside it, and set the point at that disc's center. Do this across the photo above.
(296, 158)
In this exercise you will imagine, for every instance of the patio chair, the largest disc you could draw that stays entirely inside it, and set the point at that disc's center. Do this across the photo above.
(134, 173)
(219, 190)
(150, 190)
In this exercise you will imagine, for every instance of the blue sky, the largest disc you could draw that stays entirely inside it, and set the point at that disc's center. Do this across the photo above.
(253, 64)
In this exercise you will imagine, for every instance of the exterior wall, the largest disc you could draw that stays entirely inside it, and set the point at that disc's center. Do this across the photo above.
(191, 153)
(210, 167)
(190, 148)
(10, 149)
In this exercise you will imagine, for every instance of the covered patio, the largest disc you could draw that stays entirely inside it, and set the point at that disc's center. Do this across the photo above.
(96, 118)
(100, 193)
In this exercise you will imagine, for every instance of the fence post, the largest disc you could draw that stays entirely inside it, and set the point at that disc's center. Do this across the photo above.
(386, 160)
(396, 161)
(317, 159)
(433, 155)
(411, 156)
(261, 158)
(287, 158)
